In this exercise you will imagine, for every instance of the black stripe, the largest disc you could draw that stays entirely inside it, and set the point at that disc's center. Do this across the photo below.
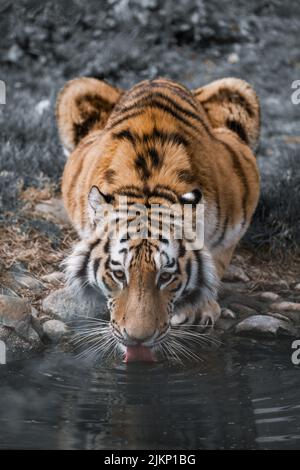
(107, 246)
(124, 118)
(166, 255)
(238, 129)
(105, 283)
(164, 195)
(115, 263)
(188, 270)
(107, 263)
(171, 263)
(82, 272)
(222, 235)
(226, 95)
(131, 194)
(165, 137)
(157, 94)
(184, 94)
(154, 156)
(200, 273)
(239, 171)
(141, 165)
(96, 267)
(185, 176)
(218, 214)
(127, 135)
(182, 249)
(142, 104)
(176, 289)
(131, 191)
(193, 296)
(172, 108)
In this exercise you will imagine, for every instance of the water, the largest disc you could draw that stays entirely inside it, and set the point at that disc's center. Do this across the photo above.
(246, 395)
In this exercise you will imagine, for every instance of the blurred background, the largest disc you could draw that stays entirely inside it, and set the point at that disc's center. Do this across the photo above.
(44, 44)
(56, 402)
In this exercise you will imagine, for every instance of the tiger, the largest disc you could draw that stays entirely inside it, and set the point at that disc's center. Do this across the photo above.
(158, 143)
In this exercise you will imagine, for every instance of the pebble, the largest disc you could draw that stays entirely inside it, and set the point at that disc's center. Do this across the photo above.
(233, 58)
(16, 313)
(224, 324)
(282, 306)
(5, 290)
(27, 281)
(297, 287)
(42, 106)
(269, 296)
(13, 310)
(67, 304)
(54, 209)
(265, 325)
(227, 313)
(55, 330)
(55, 278)
(243, 309)
(236, 274)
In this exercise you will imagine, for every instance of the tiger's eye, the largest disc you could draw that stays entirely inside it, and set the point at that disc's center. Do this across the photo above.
(164, 277)
(120, 275)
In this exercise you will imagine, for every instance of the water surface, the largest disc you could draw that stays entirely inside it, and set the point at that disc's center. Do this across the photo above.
(246, 395)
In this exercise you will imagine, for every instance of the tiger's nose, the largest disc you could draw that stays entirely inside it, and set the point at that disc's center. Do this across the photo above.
(134, 337)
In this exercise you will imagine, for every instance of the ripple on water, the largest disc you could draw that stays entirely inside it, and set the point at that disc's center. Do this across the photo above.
(242, 396)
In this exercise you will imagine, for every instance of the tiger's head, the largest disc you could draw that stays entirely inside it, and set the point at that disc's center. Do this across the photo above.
(152, 279)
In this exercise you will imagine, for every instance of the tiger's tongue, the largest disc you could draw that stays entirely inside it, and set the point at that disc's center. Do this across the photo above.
(139, 354)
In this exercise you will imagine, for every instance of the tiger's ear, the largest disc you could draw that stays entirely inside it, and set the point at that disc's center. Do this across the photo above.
(96, 203)
(84, 104)
(232, 103)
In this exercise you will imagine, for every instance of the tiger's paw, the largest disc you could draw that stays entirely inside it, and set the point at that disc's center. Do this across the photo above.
(185, 315)
(209, 314)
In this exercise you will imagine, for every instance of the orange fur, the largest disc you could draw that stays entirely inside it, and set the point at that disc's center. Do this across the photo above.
(160, 134)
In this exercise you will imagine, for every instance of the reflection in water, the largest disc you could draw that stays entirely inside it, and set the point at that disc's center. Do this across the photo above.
(244, 396)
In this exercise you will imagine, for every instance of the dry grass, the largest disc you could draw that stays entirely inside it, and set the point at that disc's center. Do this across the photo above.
(30, 246)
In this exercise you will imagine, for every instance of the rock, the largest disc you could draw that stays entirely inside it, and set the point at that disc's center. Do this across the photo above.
(14, 54)
(265, 325)
(283, 306)
(55, 330)
(54, 278)
(280, 316)
(297, 287)
(225, 324)
(17, 345)
(42, 106)
(233, 58)
(243, 309)
(227, 313)
(4, 333)
(13, 310)
(16, 313)
(67, 304)
(282, 283)
(54, 210)
(236, 274)
(269, 296)
(5, 290)
(15, 279)
(27, 281)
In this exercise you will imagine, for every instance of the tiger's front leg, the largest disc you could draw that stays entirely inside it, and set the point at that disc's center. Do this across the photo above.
(210, 312)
